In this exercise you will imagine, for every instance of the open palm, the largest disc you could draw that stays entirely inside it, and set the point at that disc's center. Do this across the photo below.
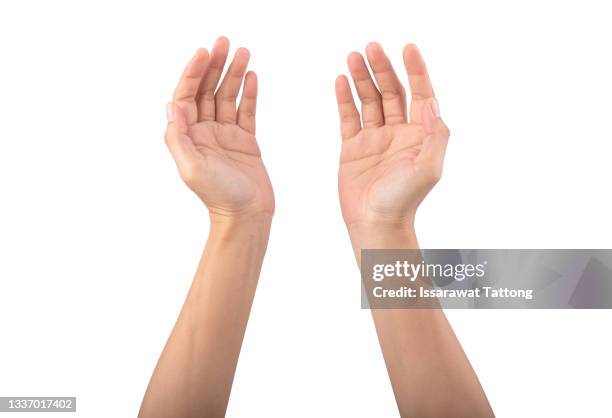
(212, 142)
(389, 162)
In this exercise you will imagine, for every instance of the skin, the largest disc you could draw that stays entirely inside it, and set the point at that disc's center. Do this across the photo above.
(391, 158)
(388, 165)
(213, 144)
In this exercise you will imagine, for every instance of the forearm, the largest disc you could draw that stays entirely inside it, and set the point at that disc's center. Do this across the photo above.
(195, 372)
(429, 372)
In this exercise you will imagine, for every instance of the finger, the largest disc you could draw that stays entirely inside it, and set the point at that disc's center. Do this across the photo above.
(248, 103)
(225, 98)
(179, 143)
(371, 105)
(187, 88)
(420, 85)
(206, 93)
(350, 125)
(391, 89)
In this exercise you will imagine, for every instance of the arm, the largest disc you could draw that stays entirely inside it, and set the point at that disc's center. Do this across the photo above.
(216, 153)
(429, 372)
(195, 371)
(390, 161)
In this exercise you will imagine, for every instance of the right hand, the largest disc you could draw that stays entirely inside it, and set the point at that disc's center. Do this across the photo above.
(390, 158)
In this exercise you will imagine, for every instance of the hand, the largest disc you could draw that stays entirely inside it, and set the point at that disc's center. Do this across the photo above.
(212, 143)
(388, 162)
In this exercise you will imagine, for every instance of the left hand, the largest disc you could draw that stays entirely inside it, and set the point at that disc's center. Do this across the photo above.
(213, 142)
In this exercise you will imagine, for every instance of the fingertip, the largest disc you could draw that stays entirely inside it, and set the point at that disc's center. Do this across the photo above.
(409, 51)
(354, 59)
(220, 49)
(202, 53)
(413, 59)
(222, 41)
(357, 65)
(340, 80)
(199, 62)
(377, 58)
(373, 47)
(410, 47)
(252, 75)
(342, 83)
(240, 62)
(242, 53)
(343, 89)
(250, 84)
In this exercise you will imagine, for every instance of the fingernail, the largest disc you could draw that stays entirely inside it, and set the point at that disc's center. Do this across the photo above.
(435, 108)
(169, 112)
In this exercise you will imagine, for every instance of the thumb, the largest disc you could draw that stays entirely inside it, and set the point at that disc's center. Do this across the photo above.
(436, 139)
(178, 141)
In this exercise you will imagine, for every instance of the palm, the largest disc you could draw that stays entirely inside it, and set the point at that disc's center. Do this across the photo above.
(378, 172)
(387, 164)
(214, 143)
(233, 176)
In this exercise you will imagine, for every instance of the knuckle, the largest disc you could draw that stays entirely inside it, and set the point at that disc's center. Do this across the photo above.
(393, 118)
(417, 96)
(350, 118)
(369, 100)
(208, 96)
(226, 98)
(184, 97)
(391, 94)
(436, 175)
(226, 119)
(246, 113)
(445, 130)
(168, 137)
(373, 122)
(433, 172)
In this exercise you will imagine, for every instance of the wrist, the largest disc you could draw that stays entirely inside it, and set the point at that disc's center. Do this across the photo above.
(239, 218)
(242, 226)
(382, 234)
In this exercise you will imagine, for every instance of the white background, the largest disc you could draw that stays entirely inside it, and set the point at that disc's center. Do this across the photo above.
(99, 238)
